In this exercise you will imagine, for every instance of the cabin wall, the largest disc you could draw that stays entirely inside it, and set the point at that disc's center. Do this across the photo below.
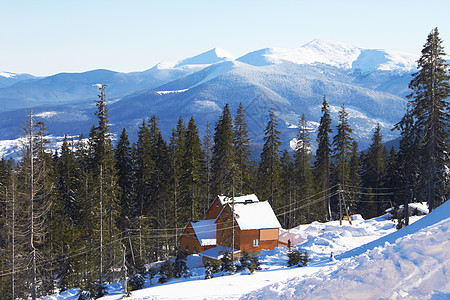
(189, 238)
(256, 240)
(214, 210)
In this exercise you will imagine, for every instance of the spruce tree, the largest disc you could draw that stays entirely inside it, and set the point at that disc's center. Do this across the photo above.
(144, 166)
(124, 167)
(224, 155)
(105, 187)
(242, 148)
(303, 171)
(35, 203)
(322, 162)
(160, 186)
(408, 158)
(269, 170)
(288, 182)
(374, 174)
(430, 109)
(176, 150)
(65, 220)
(342, 147)
(191, 178)
(206, 195)
(355, 179)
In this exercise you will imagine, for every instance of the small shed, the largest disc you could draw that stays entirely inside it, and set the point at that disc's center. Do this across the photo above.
(215, 254)
(198, 236)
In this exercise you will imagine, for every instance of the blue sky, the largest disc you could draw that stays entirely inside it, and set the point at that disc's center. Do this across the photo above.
(47, 37)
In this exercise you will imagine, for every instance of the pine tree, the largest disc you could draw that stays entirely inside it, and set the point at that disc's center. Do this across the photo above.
(242, 148)
(430, 110)
(322, 163)
(224, 156)
(269, 170)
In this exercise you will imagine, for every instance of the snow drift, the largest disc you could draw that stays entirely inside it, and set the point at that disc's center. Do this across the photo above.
(411, 263)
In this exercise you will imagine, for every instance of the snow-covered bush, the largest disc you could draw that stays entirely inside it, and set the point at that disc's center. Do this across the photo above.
(84, 295)
(101, 290)
(180, 268)
(227, 265)
(209, 272)
(298, 258)
(248, 262)
(165, 271)
(136, 282)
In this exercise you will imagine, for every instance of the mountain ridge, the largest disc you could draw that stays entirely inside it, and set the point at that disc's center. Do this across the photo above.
(371, 84)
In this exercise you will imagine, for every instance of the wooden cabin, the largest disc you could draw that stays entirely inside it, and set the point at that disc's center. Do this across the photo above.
(198, 236)
(256, 227)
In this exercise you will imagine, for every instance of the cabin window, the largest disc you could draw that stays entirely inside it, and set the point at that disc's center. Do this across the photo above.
(195, 249)
(187, 233)
(256, 243)
(187, 247)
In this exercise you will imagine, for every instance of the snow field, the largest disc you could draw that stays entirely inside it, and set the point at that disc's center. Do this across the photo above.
(372, 260)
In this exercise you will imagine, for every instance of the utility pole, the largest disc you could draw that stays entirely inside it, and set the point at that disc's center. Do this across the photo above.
(232, 227)
(33, 249)
(340, 204)
(346, 208)
(101, 225)
(124, 268)
(13, 235)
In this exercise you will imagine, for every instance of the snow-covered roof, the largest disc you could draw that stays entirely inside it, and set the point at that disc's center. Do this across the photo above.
(217, 252)
(257, 215)
(420, 206)
(238, 199)
(205, 231)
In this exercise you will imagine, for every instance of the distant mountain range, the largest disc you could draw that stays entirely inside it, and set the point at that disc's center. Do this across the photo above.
(371, 83)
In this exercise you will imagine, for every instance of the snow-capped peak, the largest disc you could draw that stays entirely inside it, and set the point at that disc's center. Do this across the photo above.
(7, 74)
(212, 56)
(334, 54)
(317, 51)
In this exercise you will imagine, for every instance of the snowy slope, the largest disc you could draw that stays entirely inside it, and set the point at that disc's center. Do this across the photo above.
(411, 263)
